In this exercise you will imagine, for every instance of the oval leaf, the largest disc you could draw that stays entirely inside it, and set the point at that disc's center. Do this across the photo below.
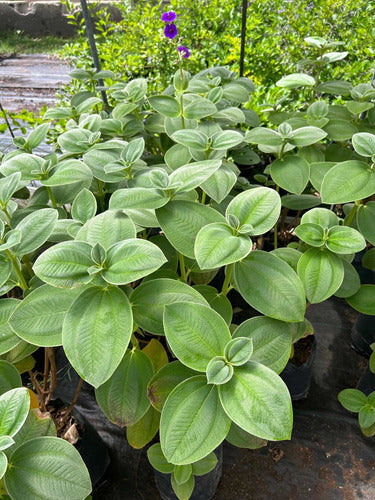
(97, 331)
(270, 286)
(193, 422)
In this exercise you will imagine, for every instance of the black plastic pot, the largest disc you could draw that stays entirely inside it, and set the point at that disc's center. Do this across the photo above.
(90, 446)
(298, 378)
(366, 383)
(363, 334)
(205, 486)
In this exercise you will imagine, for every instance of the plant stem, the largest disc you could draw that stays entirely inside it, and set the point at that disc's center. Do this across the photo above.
(203, 200)
(22, 282)
(4, 209)
(38, 390)
(46, 370)
(351, 215)
(51, 197)
(53, 371)
(226, 284)
(74, 400)
(182, 266)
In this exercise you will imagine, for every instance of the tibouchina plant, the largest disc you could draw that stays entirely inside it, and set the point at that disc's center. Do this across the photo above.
(140, 228)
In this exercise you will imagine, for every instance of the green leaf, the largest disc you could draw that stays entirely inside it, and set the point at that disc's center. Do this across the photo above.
(47, 467)
(289, 255)
(185, 490)
(68, 172)
(258, 207)
(199, 108)
(348, 181)
(205, 465)
(295, 80)
(138, 197)
(176, 156)
(352, 399)
(123, 398)
(3, 464)
(336, 87)
(8, 340)
(165, 380)
(351, 281)
(217, 246)
(272, 340)
(182, 473)
(291, 173)
(366, 417)
(27, 164)
(264, 136)
(305, 136)
(219, 185)
(65, 265)
(218, 371)
(131, 260)
(195, 333)
(14, 407)
(165, 105)
(300, 202)
(84, 206)
(368, 260)
(238, 351)
(321, 216)
(365, 221)
(226, 139)
(39, 318)
(143, 431)
(190, 176)
(311, 233)
(242, 439)
(193, 422)
(36, 228)
(364, 300)
(107, 228)
(364, 144)
(340, 130)
(8, 185)
(182, 220)
(345, 240)
(149, 299)
(258, 401)
(37, 424)
(270, 286)
(6, 269)
(321, 272)
(97, 331)
(5, 442)
(191, 138)
(9, 377)
(158, 460)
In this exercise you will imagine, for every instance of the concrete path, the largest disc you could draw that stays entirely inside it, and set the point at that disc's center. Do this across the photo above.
(30, 81)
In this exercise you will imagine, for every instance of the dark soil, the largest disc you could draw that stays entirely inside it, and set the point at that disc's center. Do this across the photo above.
(302, 350)
(67, 428)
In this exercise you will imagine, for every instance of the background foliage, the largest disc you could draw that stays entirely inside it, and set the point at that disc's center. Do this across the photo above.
(211, 29)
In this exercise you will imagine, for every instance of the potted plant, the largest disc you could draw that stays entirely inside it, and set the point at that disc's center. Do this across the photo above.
(114, 254)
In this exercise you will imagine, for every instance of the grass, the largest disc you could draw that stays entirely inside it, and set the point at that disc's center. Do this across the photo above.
(14, 43)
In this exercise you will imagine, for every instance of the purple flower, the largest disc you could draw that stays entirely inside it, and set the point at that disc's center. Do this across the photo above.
(170, 31)
(168, 17)
(184, 51)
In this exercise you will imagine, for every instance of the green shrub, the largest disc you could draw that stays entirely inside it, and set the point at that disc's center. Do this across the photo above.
(136, 47)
